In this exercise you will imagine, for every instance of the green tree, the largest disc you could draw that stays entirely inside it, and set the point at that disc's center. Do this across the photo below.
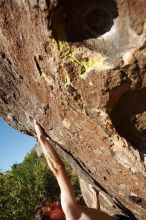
(26, 185)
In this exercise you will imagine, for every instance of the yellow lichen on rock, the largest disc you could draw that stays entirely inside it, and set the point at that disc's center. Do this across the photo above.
(43, 75)
(96, 63)
(67, 80)
(87, 59)
(62, 45)
(64, 76)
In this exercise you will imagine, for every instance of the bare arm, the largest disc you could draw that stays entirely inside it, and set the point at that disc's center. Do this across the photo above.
(68, 200)
(53, 159)
(95, 200)
(56, 166)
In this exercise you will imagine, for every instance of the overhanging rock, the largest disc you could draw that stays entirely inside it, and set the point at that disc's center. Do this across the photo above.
(79, 69)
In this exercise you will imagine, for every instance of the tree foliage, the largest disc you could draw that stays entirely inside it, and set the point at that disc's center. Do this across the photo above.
(26, 185)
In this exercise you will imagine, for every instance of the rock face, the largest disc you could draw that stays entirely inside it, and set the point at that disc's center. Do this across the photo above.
(79, 68)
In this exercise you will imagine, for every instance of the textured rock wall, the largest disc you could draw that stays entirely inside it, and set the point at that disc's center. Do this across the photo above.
(84, 81)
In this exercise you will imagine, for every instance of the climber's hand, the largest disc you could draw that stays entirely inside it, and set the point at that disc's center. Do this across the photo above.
(39, 130)
(93, 190)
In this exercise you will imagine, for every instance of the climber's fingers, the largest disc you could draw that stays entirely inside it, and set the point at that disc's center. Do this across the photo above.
(38, 129)
(93, 190)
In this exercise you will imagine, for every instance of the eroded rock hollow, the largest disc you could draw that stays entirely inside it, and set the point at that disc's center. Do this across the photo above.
(79, 68)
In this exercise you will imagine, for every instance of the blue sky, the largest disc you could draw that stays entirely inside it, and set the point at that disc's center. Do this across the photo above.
(13, 146)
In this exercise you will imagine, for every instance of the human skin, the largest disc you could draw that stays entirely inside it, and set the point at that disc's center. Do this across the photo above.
(72, 210)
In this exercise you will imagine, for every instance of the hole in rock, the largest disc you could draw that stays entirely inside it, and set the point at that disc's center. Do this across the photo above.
(80, 20)
(129, 118)
(135, 199)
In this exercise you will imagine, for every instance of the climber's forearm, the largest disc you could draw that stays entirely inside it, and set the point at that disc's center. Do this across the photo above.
(51, 166)
(50, 152)
(96, 202)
